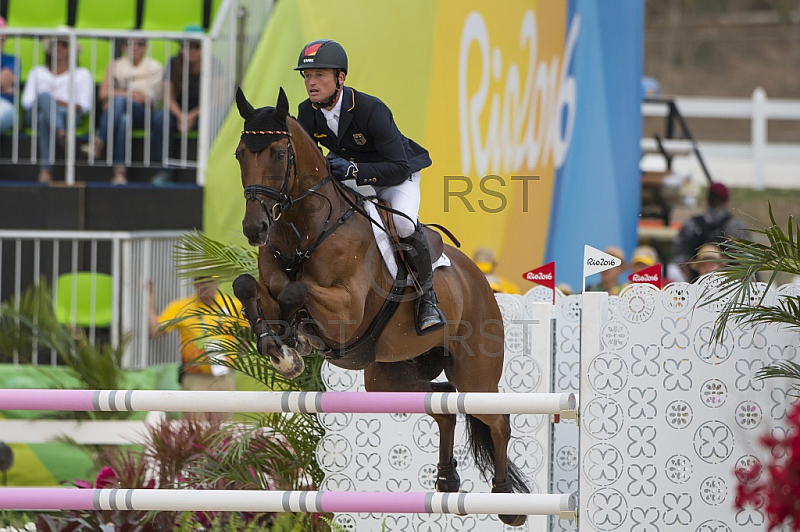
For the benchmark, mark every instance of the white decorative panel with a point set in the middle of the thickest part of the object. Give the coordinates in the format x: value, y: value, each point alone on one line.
x: 667, y: 415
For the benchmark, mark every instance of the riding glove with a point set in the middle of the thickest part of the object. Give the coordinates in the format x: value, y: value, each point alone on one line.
x: 342, y: 169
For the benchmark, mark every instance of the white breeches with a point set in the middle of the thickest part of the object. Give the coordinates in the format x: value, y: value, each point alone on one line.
x: 405, y: 198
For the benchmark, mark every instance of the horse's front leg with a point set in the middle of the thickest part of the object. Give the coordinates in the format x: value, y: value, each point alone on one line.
x: 261, y: 312
x: 336, y: 311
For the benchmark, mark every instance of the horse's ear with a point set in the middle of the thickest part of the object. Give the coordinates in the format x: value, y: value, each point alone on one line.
x: 282, y: 107
x: 245, y: 109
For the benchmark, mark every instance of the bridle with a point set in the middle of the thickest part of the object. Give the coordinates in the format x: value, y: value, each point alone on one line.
x: 284, y: 202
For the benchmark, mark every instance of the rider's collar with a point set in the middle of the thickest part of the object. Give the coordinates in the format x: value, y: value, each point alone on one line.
x: 336, y: 101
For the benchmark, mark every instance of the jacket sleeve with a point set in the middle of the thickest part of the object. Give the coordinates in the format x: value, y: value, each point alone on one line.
x: 29, y: 92
x: 393, y: 170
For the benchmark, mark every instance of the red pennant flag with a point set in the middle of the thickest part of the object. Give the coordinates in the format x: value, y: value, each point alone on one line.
x: 543, y: 275
x: 650, y: 275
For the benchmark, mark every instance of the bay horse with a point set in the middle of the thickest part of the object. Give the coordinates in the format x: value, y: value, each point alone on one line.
x: 321, y: 285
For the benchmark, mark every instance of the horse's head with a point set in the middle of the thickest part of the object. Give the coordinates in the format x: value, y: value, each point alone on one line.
x: 266, y: 159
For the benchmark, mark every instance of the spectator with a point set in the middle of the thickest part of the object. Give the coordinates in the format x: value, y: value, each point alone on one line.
x: 643, y: 257
x: 183, y: 88
x: 48, y: 89
x: 710, y: 258
x: 484, y: 258
x: 609, y: 279
x: 9, y: 66
x: 194, y: 342
x: 715, y: 225
x: 140, y: 77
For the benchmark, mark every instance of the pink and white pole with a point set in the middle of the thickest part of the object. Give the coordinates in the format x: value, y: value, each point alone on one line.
x: 564, y: 506
x: 563, y: 404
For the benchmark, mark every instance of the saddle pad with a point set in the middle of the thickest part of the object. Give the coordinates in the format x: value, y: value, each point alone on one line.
x: 385, y: 246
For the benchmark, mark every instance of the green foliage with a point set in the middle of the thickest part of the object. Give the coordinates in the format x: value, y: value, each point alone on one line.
x: 29, y: 323
x: 744, y: 261
x: 235, y: 347
x: 199, y: 255
x: 18, y: 520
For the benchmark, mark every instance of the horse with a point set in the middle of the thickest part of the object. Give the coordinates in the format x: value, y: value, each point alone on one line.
x: 321, y: 285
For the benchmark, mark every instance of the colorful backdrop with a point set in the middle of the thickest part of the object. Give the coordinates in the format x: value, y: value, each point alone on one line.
x: 530, y: 113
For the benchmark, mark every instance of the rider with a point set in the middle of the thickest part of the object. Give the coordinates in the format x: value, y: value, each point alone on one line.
x: 366, y: 145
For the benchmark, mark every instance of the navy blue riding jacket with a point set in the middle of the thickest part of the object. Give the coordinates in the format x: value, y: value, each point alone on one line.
x: 367, y: 136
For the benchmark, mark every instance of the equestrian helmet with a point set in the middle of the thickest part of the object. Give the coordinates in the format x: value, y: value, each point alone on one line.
x: 322, y: 54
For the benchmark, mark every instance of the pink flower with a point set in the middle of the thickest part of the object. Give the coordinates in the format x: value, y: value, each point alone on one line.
x: 106, y: 478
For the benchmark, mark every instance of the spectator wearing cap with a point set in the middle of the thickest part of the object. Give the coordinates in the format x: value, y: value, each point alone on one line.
x: 484, y: 258
x: 609, y: 279
x: 9, y: 66
x: 709, y: 258
x: 715, y: 225
x: 643, y: 257
x: 48, y: 88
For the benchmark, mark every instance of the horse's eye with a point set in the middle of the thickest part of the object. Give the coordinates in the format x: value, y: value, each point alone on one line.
x: 281, y: 155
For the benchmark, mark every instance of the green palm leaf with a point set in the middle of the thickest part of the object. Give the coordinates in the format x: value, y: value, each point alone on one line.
x: 744, y: 261
x: 199, y: 255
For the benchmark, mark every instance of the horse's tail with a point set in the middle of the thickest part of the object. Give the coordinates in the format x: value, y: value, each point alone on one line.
x: 480, y: 443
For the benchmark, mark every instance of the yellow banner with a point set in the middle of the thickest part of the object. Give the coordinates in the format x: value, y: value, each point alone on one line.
x: 475, y: 84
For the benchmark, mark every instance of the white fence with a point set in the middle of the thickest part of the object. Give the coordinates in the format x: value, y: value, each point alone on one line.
x: 130, y: 258
x: 757, y: 164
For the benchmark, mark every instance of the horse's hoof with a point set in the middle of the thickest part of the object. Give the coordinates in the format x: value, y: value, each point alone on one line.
x: 289, y: 363
x: 244, y: 287
x: 303, y: 346
x: 513, y: 520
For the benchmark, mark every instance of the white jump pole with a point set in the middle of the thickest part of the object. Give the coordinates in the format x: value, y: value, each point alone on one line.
x: 562, y: 505
x: 563, y: 404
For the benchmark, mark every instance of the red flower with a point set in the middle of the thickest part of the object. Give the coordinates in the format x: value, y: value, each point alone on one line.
x: 779, y: 492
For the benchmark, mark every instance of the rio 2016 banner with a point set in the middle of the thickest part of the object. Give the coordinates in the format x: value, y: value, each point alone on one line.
x: 530, y: 113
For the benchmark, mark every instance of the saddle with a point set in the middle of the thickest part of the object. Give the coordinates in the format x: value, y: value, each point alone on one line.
x: 361, y: 353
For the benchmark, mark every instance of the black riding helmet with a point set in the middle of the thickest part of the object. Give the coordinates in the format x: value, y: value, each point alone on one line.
x: 322, y: 53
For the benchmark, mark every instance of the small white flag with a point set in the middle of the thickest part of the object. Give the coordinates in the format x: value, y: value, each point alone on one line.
x: 595, y: 261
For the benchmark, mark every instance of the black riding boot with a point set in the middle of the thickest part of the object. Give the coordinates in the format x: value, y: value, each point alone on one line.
x: 428, y: 316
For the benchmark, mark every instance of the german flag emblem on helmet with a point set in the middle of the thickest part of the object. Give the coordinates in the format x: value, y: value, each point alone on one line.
x: 311, y: 49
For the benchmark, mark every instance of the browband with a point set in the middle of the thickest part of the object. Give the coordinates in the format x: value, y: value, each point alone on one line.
x: 265, y: 133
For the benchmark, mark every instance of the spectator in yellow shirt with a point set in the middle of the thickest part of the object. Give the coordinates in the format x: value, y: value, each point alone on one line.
x: 194, y: 343
x: 484, y: 258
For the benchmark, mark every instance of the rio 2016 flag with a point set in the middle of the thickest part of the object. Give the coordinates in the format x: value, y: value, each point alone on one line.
x: 650, y: 275
x: 543, y: 275
x: 596, y: 261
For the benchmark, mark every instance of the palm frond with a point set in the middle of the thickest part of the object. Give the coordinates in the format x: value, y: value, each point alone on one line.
x: 277, y: 451
x: 234, y: 346
x: 743, y: 260
x: 199, y: 255
x: 786, y: 369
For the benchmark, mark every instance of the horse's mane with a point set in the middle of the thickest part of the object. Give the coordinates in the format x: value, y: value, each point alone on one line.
x: 300, y: 137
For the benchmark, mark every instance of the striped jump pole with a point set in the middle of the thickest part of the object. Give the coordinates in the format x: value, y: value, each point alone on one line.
x: 563, y: 404
x: 562, y: 505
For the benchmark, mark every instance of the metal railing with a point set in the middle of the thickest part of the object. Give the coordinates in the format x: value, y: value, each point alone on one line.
x: 226, y: 49
x: 132, y: 259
